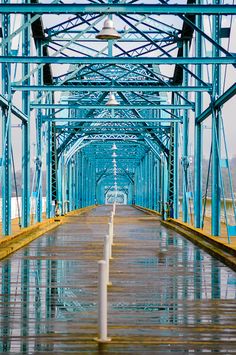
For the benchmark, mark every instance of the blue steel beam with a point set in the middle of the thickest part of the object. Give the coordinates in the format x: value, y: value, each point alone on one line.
x: 14, y: 110
x: 39, y: 144
x: 118, y: 60
x: 216, y: 192
x: 126, y: 87
x: 6, y: 132
x: 185, y: 165
x: 108, y: 119
x: 117, y: 108
x: 26, y: 131
x: 198, y: 136
x: 220, y: 101
x: 117, y: 9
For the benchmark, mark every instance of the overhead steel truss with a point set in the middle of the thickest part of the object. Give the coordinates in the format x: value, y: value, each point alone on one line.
x: 166, y: 76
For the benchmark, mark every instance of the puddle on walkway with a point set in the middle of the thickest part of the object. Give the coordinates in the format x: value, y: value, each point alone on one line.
x: 167, y: 295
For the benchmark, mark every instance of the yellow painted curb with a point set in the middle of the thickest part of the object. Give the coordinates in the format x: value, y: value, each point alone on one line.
x: 10, y: 244
x: 204, y: 241
x: 212, y: 245
x: 146, y: 209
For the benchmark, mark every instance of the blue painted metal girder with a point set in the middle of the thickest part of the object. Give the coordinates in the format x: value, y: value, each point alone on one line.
x: 14, y: 110
x: 118, y: 60
x: 6, y: 133
x: 39, y: 145
x: 119, y: 107
x: 216, y: 135
x: 198, y: 136
x: 26, y: 131
x: 151, y: 9
x: 146, y: 86
x: 114, y: 120
x: 185, y: 165
x: 226, y: 96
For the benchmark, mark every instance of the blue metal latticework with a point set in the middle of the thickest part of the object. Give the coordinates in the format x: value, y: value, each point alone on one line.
x: 112, y: 98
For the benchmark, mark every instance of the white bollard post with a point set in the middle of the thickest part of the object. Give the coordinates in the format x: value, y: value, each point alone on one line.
x: 111, y: 229
x: 110, y: 239
x: 102, y: 303
x: 107, y: 256
x: 112, y: 216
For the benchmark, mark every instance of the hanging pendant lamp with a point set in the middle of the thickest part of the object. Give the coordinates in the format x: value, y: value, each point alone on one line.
x: 112, y: 100
x: 108, y: 31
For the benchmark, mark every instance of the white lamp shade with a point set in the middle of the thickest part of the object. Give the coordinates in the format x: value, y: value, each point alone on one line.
x: 108, y: 31
x: 112, y: 100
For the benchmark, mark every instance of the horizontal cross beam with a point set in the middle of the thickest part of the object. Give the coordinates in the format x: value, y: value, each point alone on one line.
x: 119, y: 60
x: 110, y: 120
x: 107, y: 107
x: 145, y: 86
x: 117, y: 128
x: 151, y: 9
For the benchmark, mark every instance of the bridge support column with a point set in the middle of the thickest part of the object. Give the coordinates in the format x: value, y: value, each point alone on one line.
x: 185, y: 152
x: 198, y: 134
x: 38, y: 158
x: 6, y: 131
x: 216, y: 132
x: 164, y: 187
x: 26, y: 130
x: 49, y: 171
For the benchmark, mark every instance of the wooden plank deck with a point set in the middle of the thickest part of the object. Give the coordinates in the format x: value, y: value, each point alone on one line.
x: 166, y: 295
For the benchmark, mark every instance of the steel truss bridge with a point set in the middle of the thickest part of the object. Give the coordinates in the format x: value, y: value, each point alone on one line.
x: 169, y: 72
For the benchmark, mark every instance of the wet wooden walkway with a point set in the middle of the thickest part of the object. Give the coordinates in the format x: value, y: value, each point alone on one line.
x: 166, y: 295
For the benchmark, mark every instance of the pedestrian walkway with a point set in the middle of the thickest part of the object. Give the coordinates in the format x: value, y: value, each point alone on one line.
x: 166, y: 294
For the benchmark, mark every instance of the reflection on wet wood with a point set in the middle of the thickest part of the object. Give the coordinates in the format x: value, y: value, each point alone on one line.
x: 166, y: 294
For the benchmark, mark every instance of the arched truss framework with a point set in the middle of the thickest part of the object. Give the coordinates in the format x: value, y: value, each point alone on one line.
x: 168, y: 72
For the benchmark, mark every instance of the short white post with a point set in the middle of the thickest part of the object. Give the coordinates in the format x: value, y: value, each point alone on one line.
x: 110, y: 239
x: 111, y: 228
x: 107, y: 256
x: 112, y: 216
x: 102, y: 302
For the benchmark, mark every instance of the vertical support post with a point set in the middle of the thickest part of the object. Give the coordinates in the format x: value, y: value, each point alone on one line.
x: 63, y: 184
x: 198, y: 134
x: 49, y: 171
x: 143, y: 181
x: 185, y: 158
x: 151, y: 180
x: 102, y: 303
x: 38, y: 162
x: 69, y: 186
x: 6, y: 130
x: 76, y: 181
x: 26, y: 130
x: 80, y: 179
x: 59, y: 183
x: 146, y: 180
x: 164, y: 186
x: 54, y: 163
x: 155, y: 184
x: 73, y: 183
x: 175, y: 205
x: 216, y: 131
